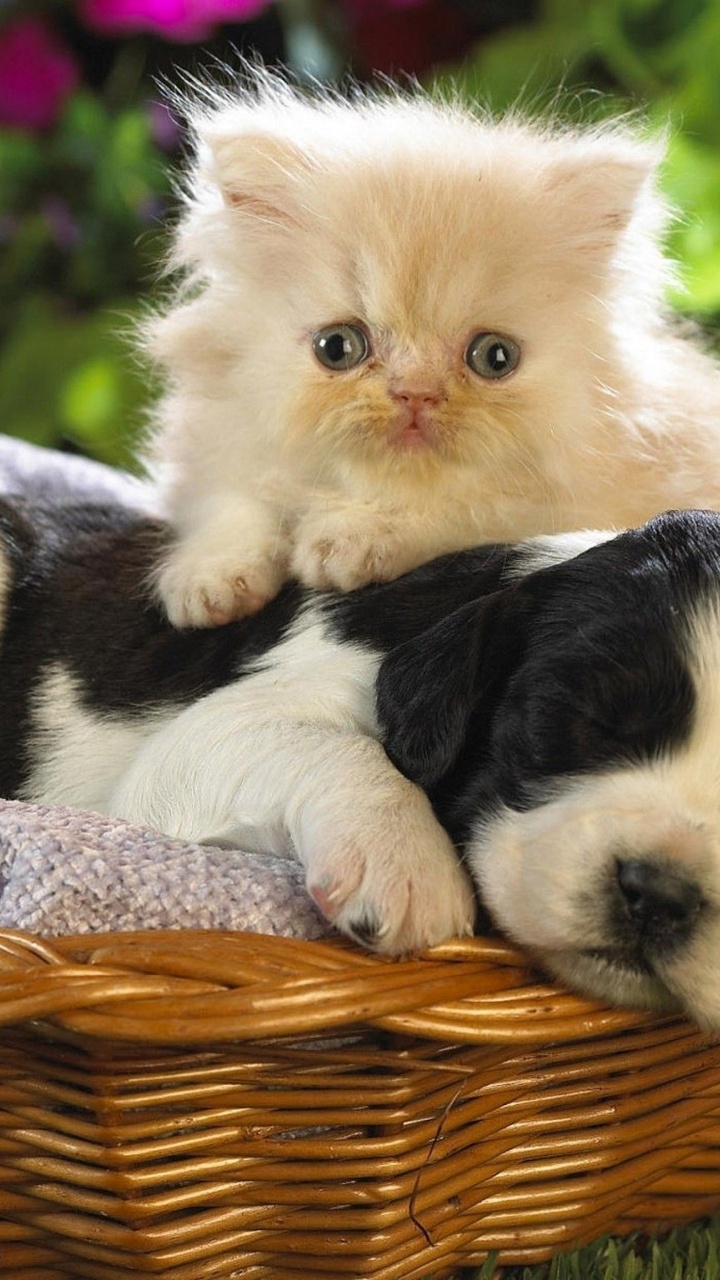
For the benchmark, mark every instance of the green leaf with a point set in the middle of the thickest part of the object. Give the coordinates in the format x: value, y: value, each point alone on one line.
x: 71, y: 377
x: 91, y: 399
x: 692, y: 180
x: 21, y: 161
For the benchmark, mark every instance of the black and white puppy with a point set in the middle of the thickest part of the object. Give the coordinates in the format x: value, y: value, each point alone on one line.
x: 561, y: 711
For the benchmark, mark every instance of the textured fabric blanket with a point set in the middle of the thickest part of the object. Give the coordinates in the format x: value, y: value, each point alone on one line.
x: 68, y: 871
x: 59, y: 477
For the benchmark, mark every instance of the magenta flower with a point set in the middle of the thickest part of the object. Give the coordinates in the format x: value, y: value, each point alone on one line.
x: 174, y: 19
x: 37, y: 72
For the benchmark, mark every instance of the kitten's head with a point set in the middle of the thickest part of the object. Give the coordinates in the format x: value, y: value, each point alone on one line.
x: 400, y: 284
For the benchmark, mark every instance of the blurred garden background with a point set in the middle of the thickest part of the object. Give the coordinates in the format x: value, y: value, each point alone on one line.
x: 87, y: 149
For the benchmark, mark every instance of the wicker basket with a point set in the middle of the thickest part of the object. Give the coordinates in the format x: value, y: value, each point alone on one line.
x: 199, y: 1105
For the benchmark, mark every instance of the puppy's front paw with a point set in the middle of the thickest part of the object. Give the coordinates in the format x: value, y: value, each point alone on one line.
x: 347, y: 549
x: 397, y: 886
x: 207, y: 591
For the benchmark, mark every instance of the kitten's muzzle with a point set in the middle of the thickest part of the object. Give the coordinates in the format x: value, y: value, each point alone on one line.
x: 415, y: 423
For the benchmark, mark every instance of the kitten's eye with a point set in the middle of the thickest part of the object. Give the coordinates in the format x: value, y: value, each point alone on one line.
x: 341, y: 346
x: 492, y: 356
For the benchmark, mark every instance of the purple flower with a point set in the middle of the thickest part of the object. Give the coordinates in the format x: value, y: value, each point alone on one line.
x: 174, y: 19
x: 37, y: 72
x: 60, y: 222
x: 165, y: 128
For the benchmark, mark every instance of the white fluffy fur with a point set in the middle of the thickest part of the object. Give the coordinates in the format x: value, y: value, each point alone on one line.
x: 426, y: 224
x: 78, y: 755
x: 283, y: 760
x: 546, y: 550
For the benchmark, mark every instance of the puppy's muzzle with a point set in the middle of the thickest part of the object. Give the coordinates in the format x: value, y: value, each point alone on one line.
x: 655, y: 908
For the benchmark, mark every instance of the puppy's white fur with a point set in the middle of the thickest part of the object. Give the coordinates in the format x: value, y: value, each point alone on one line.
x: 425, y: 224
x: 283, y: 760
x: 79, y: 755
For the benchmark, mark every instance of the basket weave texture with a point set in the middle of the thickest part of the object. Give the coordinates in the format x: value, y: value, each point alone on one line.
x: 198, y: 1105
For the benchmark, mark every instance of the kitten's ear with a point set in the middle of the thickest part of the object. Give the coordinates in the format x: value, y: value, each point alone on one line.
x: 259, y: 174
x: 602, y: 183
x: 429, y: 688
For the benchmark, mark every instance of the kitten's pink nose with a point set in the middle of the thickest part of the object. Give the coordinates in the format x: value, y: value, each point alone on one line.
x: 417, y: 395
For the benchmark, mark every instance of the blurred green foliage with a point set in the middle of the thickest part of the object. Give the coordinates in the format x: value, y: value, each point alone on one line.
x: 81, y: 215
x: 83, y: 205
x: 598, y: 57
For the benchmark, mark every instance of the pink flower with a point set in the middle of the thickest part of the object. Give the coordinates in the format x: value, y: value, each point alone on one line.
x: 174, y: 19
x: 37, y: 72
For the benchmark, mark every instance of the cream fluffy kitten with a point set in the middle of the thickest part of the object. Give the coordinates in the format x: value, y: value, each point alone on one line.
x: 404, y: 328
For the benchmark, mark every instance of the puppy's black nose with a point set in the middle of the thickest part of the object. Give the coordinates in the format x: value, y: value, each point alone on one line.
x: 661, y: 902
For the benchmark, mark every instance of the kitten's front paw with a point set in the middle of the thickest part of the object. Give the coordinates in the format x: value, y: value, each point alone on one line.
x: 396, y: 886
x: 208, y: 592
x: 344, y: 550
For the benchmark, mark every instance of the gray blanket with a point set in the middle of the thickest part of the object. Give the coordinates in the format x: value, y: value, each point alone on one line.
x: 60, y: 477
x: 68, y: 871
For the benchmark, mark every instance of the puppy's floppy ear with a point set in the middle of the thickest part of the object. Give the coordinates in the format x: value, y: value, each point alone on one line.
x: 428, y: 688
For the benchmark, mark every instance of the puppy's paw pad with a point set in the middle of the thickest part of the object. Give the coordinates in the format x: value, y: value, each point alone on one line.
x: 391, y: 905
x: 330, y: 890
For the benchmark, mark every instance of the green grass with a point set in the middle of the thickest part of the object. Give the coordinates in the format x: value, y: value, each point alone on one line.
x: 689, y: 1253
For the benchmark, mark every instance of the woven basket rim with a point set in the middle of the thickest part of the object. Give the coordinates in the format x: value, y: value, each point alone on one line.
x: 204, y: 987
